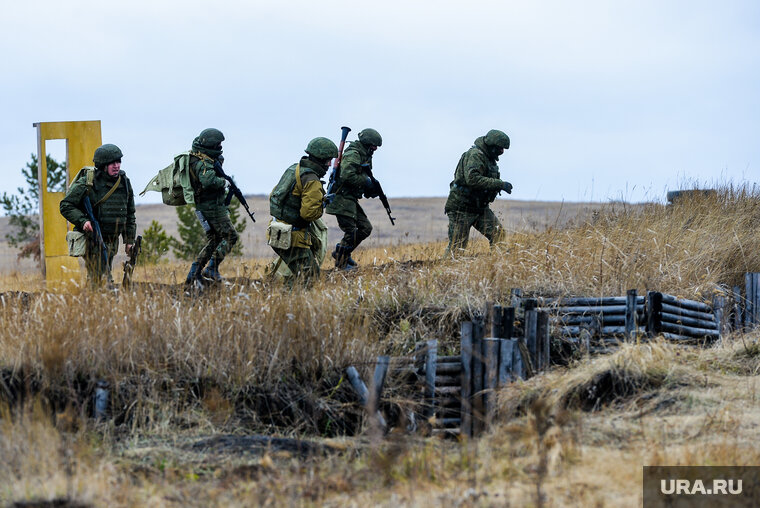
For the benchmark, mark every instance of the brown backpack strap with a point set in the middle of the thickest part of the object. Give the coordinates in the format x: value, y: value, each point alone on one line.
x: 108, y: 194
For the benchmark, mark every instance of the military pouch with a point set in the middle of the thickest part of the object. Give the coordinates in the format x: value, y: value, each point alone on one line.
x: 77, y: 243
x: 279, y: 234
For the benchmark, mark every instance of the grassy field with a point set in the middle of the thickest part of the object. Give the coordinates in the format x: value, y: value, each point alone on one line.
x: 194, y: 380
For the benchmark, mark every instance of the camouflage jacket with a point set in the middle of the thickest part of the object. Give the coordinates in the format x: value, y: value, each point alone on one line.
x: 115, y: 215
x: 477, y: 181
x: 352, y: 180
x: 210, y: 188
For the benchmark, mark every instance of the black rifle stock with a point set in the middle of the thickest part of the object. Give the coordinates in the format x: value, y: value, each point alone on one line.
x: 335, y: 174
x: 129, y: 264
x: 96, y: 229
x: 234, y: 190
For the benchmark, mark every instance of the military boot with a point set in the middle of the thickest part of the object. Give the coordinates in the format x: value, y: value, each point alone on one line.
x: 211, y: 272
x: 342, y: 257
x: 194, y: 276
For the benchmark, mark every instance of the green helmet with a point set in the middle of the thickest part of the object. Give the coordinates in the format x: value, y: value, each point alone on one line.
x: 106, y: 154
x: 370, y: 137
x: 322, y: 148
x: 210, y: 138
x: 497, y: 138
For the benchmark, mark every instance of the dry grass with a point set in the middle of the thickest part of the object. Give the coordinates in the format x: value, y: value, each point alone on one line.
x: 254, y: 357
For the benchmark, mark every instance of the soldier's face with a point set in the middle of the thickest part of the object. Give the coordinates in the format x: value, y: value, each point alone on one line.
x: 372, y: 148
x: 498, y: 150
x: 113, y: 168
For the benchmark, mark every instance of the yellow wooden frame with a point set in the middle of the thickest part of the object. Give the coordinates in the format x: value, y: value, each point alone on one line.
x: 82, y: 138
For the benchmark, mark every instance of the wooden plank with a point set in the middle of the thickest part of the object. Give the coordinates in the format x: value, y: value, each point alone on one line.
x: 630, y: 313
x: 477, y: 379
x: 378, y: 380
x: 506, y: 352
x: 491, y: 376
x: 508, y: 322
x: 518, y: 367
x: 448, y: 381
x: 575, y: 319
x: 361, y: 390
x: 586, y: 310
x: 466, y: 349
x: 531, y: 322
x: 449, y: 358
x: 719, y: 309
x: 430, y: 361
x: 654, y: 308
x: 588, y: 302
x: 542, y: 341
x: 447, y: 390
x: 497, y: 316
x: 448, y: 367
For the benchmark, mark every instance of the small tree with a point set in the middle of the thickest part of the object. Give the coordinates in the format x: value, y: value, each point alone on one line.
x: 192, y: 238
x: 155, y: 243
x: 23, y: 207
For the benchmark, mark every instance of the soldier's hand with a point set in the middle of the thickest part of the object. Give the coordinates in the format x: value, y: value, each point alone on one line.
x: 128, y: 248
x: 329, y: 198
x: 87, y: 227
x: 508, y: 187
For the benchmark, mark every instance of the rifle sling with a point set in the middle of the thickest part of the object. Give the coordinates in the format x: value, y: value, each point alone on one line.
x: 109, y: 193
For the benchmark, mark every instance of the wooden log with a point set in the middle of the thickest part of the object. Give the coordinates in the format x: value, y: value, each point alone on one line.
x: 687, y: 321
x: 506, y: 353
x: 688, y: 330
x: 447, y: 390
x: 751, y: 300
x: 518, y: 367
x: 430, y: 361
x: 448, y: 368
x: 497, y: 321
x: 508, y: 322
x: 531, y: 322
x: 515, y: 301
x: 478, y: 369
x: 681, y: 311
x: 452, y: 431
x: 586, y: 310
x: 686, y: 304
x: 589, y: 302
x: 448, y: 381
x: 361, y: 390
x: 542, y: 341
x: 378, y: 380
x: 654, y: 308
x: 449, y: 422
x: 737, y: 319
x: 574, y: 319
x: 449, y: 358
x: 466, y: 349
x: 631, y: 316
x: 491, y: 376
x: 575, y: 331
x: 719, y: 309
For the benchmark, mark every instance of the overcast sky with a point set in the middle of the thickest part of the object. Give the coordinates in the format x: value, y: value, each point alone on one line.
x: 601, y: 99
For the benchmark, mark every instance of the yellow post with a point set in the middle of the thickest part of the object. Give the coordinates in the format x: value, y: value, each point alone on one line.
x: 82, y: 138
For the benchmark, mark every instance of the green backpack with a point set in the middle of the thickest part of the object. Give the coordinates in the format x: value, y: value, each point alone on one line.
x: 173, y: 182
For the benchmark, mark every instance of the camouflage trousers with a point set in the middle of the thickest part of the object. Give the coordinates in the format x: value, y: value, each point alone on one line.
x: 302, y: 264
x: 93, y: 259
x: 221, y: 238
x: 355, y: 231
x: 460, y: 223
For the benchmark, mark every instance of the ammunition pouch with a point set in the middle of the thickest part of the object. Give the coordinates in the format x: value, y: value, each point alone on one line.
x: 77, y: 242
x: 279, y: 234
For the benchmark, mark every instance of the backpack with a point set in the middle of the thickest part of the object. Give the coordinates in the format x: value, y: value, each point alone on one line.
x: 173, y: 182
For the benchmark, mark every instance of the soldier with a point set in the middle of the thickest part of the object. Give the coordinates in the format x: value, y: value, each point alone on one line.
x: 210, y: 191
x: 113, y: 204
x: 352, y: 184
x: 295, y: 203
x: 476, y: 184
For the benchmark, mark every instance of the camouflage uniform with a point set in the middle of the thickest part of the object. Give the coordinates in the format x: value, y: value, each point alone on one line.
x: 210, y: 192
x: 115, y: 215
x: 476, y: 184
x: 297, y: 200
x: 352, y: 185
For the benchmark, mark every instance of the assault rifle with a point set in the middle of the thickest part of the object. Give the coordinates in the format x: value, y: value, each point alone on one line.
x: 379, y: 189
x: 234, y: 190
x: 129, y: 264
x: 335, y: 175
x: 98, y: 234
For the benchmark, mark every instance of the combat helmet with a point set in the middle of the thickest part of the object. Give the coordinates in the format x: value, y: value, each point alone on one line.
x: 106, y: 154
x: 497, y: 138
x: 370, y: 137
x: 322, y: 148
x: 210, y: 138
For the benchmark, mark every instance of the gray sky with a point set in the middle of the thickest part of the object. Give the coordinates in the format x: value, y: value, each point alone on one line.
x: 602, y: 99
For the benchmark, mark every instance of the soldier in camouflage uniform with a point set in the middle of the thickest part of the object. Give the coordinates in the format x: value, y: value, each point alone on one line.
x: 297, y: 200
x: 113, y: 204
x: 476, y: 184
x: 354, y: 183
x: 210, y: 191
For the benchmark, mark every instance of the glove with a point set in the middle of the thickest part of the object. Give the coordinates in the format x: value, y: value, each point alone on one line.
x: 372, y: 190
x: 508, y: 187
x: 329, y: 198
